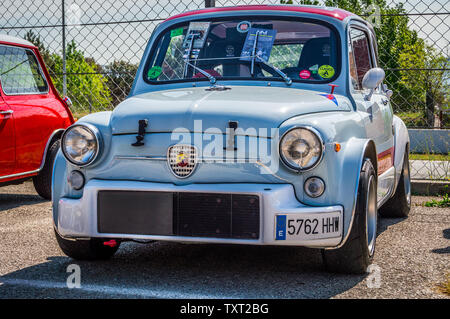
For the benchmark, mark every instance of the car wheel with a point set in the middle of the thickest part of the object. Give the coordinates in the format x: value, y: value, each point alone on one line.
x: 43, y: 181
x: 87, y: 249
x: 357, y: 253
x: 400, y: 204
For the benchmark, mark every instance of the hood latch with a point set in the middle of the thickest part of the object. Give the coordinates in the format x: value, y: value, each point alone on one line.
x: 232, y: 126
x: 141, y: 133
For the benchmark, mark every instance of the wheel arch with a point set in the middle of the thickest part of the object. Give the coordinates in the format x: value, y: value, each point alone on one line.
x: 356, y: 153
x: 402, y: 144
x: 370, y: 152
x: 56, y: 135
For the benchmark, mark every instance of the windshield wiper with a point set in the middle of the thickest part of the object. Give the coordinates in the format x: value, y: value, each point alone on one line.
x: 287, y: 79
x: 211, y: 78
x: 255, y: 43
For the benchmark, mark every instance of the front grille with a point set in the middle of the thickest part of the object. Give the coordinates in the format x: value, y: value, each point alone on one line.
x: 183, y: 214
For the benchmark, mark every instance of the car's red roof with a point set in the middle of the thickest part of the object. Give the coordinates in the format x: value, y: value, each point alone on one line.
x: 330, y: 12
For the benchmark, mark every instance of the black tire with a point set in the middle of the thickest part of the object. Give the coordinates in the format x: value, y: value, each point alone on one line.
x: 399, y: 205
x: 88, y: 249
x: 357, y: 254
x: 43, y: 181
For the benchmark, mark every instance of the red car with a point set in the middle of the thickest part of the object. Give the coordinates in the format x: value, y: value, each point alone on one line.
x: 32, y: 116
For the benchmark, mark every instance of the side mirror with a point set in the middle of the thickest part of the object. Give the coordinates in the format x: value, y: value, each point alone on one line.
x: 388, y: 92
x: 372, y: 80
x: 68, y: 101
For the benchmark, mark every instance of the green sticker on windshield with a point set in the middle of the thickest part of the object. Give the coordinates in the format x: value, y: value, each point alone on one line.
x: 326, y: 71
x: 154, y: 72
x: 176, y: 32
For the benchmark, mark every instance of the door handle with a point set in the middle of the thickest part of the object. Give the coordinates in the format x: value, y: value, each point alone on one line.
x: 7, y: 112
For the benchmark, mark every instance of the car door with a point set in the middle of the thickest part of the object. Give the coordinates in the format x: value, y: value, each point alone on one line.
x: 26, y: 92
x: 386, y: 170
x: 373, y: 109
x: 7, y: 141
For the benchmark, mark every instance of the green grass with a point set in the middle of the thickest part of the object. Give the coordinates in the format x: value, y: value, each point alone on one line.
x: 429, y: 157
x: 444, y: 202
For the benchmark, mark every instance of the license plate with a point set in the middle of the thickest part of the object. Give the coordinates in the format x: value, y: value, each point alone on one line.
x: 308, y: 226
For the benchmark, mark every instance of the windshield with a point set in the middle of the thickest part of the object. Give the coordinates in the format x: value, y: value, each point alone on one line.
x: 245, y: 49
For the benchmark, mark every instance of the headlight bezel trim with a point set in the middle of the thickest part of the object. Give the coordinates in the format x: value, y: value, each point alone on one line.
x: 322, y: 147
x: 98, y: 139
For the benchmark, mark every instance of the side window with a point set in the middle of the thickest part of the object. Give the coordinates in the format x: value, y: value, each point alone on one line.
x: 360, y: 54
x: 20, y: 72
x: 351, y: 61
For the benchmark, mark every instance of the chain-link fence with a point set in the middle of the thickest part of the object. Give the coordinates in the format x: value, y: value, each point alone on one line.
x: 92, y: 49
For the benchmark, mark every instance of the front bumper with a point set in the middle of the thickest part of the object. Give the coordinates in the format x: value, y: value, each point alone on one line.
x: 78, y: 218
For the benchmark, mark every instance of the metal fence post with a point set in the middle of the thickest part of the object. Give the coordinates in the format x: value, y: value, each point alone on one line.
x: 210, y: 3
x: 64, y: 49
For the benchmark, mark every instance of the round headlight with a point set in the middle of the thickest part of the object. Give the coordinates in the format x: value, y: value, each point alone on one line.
x: 314, y: 187
x: 301, y: 148
x: 80, y: 144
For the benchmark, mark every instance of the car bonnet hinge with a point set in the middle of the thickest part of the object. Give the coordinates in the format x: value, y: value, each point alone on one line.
x: 141, y: 133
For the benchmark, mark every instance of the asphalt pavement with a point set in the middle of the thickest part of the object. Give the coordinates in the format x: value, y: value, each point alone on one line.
x: 412, y: 258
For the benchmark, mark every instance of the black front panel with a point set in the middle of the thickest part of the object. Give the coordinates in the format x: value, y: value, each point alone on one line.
x: 182, y: 214
x: 245, y: 221
x: 140, y: 213
x: 204, y: 215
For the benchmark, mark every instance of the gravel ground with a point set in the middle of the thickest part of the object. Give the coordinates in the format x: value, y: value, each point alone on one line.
x: 413, y: 256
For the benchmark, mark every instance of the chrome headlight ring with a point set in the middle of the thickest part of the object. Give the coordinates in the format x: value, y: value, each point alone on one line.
x: 320, y: 146
x: 96, y: 140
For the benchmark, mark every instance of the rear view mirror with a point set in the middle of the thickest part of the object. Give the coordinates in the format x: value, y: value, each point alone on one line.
x: 372, y: 80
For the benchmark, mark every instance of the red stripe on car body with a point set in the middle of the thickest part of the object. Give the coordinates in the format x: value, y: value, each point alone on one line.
x: 334, y: 13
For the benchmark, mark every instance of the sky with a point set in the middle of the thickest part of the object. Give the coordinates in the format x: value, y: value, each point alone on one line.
x: 126, y: 41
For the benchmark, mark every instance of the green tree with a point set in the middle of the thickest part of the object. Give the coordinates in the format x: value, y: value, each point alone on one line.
x: 36, y: 40
x: 86, y: 85
x: 426, y: 80
x: 401, y: 51
x: 86, y: 88
x: 120, y: 76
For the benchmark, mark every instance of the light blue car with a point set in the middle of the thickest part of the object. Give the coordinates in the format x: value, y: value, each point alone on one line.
x: 256, y: 125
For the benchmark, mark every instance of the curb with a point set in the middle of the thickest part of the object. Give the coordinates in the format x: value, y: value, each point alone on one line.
x: 428, y: 187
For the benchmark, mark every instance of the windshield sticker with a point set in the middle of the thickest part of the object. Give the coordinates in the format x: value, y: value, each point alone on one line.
x: 229, y: 51
x: 264, y: 45
x: 326, y: 71
x: 176, y: 32
x: 196, y: 35
x: 305, y: 74
x: 194, y: 54
x: 314, y: 69
x: 154, y: 72
x: 244, y: 26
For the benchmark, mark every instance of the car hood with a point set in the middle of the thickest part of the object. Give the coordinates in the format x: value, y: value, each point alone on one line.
x: 251, y: 107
